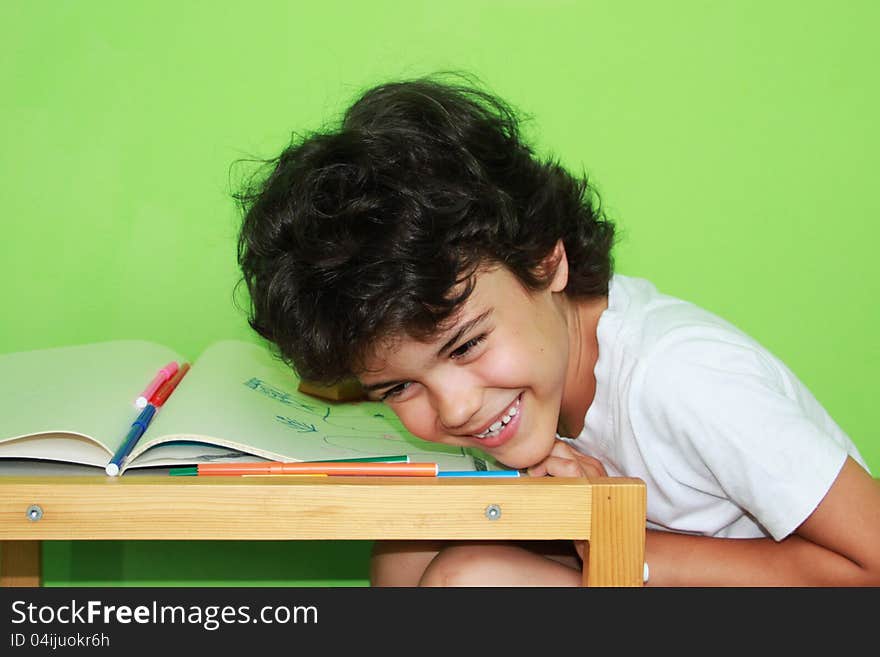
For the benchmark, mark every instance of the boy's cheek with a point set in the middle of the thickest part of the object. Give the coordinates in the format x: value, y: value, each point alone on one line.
x: 418, y: 423
x: 422, y: 427
x: 505, y: 367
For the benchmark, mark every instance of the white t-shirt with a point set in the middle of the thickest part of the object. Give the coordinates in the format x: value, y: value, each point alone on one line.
x: 729, y: 442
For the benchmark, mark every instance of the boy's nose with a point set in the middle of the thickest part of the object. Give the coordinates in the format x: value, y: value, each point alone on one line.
x: 456, y: 405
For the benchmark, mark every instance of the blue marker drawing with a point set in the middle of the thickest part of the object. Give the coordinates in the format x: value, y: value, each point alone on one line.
x: 302, y: 427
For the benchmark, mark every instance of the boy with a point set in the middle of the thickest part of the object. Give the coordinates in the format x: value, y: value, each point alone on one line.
x: 425, y: 250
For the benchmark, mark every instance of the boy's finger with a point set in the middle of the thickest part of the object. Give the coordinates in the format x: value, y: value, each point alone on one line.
x: 563, y: 450
x: 591, y: 465
x: 539, y: 470
x: 563, y: 467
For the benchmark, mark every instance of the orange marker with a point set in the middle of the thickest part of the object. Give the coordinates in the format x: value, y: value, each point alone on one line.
x: 161, y: 395
x: 319, y: 467
x: 288, y: 476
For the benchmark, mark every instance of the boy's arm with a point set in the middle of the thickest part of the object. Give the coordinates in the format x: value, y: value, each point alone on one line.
x: 837, y: 545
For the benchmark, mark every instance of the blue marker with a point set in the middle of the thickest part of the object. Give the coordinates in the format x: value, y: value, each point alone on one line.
x: 479, y: 473
x: 137, y: 430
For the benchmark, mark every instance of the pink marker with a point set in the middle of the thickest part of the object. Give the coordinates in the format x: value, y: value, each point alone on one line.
x: 164, y: 374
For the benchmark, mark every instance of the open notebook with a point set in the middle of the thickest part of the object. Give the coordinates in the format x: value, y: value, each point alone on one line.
x: 237, y: 402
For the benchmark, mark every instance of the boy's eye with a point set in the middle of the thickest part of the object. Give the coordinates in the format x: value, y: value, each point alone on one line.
x: 467, y: 346
x: 396, y: 391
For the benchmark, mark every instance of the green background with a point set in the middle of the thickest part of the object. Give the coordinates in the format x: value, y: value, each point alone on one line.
x: 735, y: 143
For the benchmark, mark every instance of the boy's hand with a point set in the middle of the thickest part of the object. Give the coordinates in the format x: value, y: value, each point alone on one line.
x: 566, y: 461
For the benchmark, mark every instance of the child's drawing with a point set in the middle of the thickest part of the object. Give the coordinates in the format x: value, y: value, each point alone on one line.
x: 298, y: 425
x: 305, y: 414
x: 366, y: 428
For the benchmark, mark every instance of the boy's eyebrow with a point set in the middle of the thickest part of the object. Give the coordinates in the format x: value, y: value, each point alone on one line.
x: 462, y: 330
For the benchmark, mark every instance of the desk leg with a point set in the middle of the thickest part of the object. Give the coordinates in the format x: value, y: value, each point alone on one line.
x: 20, y: 563
x: 615, y: 555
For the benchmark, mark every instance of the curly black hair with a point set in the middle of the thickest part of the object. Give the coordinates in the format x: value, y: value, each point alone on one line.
x: 375, y: 229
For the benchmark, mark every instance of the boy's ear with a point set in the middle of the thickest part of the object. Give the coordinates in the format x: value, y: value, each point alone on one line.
x: 557, y: 262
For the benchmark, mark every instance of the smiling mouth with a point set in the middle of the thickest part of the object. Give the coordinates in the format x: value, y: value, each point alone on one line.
x: 498, y: 425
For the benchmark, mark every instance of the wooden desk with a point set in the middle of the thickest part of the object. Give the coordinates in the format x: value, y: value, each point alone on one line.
x: 609, y: 513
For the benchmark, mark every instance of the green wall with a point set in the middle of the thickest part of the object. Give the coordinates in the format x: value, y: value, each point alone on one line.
x: 735, y: 143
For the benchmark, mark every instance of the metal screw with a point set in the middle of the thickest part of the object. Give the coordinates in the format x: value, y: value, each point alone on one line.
x: 493, y: 512
x: 34, y: 512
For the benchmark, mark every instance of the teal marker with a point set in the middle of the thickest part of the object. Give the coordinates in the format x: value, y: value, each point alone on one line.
x: 479, y: 473
x: 403, y: 458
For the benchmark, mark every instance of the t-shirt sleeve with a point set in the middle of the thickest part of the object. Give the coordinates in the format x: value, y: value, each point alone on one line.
x: 730, y: 423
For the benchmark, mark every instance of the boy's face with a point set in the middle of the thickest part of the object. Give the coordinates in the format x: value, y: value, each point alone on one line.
x: 493, y: 379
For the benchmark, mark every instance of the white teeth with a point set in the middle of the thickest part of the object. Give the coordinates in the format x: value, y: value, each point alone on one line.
x: 494, y: 428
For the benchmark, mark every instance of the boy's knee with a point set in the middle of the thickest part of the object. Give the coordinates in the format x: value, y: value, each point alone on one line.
x: 401, y: 563
x: 459, y: 565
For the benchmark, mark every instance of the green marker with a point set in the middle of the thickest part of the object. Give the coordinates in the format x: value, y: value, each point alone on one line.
x: 184, y: 472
